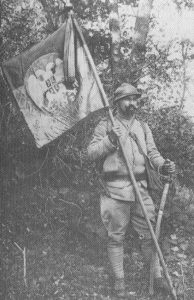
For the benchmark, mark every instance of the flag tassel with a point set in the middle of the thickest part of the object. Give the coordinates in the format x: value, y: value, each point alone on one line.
x: 69, y: 52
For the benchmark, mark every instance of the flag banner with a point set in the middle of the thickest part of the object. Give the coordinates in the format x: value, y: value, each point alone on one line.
x: 52, y: 102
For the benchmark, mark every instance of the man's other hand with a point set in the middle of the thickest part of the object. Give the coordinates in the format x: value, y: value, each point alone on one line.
x: 168, y: 167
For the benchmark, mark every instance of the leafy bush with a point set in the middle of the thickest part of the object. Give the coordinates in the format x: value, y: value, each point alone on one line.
x: 173, y: 132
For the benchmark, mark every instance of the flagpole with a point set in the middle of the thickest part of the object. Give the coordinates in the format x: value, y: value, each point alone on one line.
x: 106, y: 103
x: 157, y: 233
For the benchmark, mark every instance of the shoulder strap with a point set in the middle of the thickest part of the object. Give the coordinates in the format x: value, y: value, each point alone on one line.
x: 144, y: 128
x: 127, y: 128
x: 134, y: 137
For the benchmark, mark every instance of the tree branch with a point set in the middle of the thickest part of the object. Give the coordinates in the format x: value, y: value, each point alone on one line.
x: 184, y: 49
x: 141, y: 29
x: 115, y: 38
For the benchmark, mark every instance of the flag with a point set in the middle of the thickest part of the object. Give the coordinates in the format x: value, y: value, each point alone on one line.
x: 53, y: 84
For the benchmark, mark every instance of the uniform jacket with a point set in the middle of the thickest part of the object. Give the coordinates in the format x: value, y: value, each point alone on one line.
x: 118, y: 183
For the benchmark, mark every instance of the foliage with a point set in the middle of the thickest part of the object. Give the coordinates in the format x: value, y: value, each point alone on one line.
x: 22, y: 25
x: 173, y: 132
x: 66, y: 261
x: 164, y: 79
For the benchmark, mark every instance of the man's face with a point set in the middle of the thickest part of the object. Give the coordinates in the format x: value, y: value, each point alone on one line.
x: 128, y: 105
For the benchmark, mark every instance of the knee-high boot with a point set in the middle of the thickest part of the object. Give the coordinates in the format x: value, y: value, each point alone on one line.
x: 115, y: 254
x: 147, y: 250
x: 160, y: 284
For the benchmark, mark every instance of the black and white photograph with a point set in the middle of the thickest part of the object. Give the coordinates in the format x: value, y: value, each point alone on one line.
x: 96, y: 149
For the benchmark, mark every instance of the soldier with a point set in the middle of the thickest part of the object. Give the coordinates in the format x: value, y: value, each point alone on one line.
x: 119, y: 204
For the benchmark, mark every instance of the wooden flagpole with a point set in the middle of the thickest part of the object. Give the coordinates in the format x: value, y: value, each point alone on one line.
x: 157, y: 233
x: 126, y: 158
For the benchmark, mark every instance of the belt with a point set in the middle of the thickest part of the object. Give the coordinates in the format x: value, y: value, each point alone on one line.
x: 111, y: 177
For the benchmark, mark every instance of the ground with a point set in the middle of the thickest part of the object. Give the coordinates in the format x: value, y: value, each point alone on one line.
x: 66, y: 253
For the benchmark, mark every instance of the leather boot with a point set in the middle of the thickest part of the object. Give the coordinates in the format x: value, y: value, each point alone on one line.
x: 119, y: 288
x: 161, y: 285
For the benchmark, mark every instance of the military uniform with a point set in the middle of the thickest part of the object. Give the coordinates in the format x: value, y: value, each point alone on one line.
x: 119, y: 205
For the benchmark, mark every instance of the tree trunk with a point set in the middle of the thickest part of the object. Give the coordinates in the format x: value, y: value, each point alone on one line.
x: 115, y: 40
x: 184, y: 51
x: 137, y: 57
x: 0, y: 11
x: 1, y: 38
x: 51, y: 25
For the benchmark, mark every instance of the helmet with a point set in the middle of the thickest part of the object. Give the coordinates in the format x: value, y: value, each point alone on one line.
x: 124, y: 90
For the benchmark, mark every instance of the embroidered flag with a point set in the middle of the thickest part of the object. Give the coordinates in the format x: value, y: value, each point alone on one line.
x: 52, y: 102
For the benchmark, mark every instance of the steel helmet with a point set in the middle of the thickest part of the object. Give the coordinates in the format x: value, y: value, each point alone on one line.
x: 124, y: 90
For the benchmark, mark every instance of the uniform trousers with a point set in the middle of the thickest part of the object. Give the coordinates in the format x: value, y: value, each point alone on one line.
x: 116, y: 215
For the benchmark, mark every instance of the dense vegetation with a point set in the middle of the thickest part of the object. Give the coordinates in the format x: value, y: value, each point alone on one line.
x: 24, y: 23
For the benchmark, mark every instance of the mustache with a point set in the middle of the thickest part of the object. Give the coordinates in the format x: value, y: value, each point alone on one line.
x: 131, y: 108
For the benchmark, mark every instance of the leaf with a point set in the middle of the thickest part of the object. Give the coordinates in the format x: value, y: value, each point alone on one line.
x: 173, y: 237
x: 181, y: 255
x: 184, y: 246
x: 175, y: 249
x: 175, y: 273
